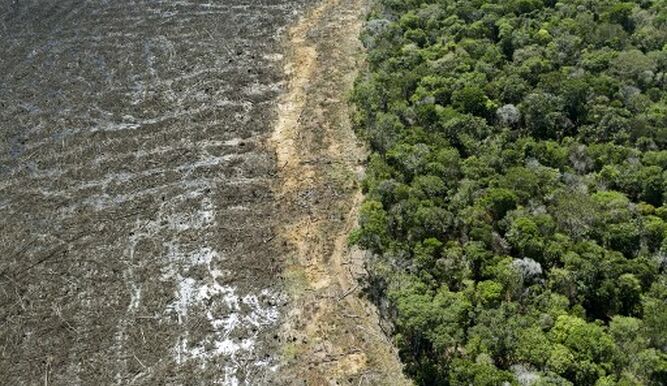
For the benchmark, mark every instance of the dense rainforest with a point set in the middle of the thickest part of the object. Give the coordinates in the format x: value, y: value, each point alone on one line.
x: 516, y: 188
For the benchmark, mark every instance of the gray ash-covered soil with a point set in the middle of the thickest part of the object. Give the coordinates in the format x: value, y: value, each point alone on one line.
x: 137, y: 206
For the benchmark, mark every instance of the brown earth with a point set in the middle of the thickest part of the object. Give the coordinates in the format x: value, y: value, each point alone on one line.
x: 331, y: 335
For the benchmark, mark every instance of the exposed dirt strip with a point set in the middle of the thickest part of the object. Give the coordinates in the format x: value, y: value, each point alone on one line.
x: 330, y: 334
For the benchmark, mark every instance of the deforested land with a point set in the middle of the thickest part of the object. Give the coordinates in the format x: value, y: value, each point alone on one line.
x: 178, y: 181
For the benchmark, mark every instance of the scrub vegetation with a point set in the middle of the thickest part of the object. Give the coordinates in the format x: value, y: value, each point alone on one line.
x: 515, y: 193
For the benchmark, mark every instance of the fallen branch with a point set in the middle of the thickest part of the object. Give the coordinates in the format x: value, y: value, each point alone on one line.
x: 344, y: 295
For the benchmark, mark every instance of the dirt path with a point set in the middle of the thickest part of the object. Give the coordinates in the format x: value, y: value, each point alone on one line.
x: 330, y: 335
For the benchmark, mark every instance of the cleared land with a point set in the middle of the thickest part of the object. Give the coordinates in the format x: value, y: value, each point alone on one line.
x: 136, y: 194
x: 177, y: 181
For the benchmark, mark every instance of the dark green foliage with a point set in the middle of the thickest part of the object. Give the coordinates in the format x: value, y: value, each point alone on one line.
x: 516, y: 189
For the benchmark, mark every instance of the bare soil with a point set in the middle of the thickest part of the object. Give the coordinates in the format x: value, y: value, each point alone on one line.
x: 331, y: 335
